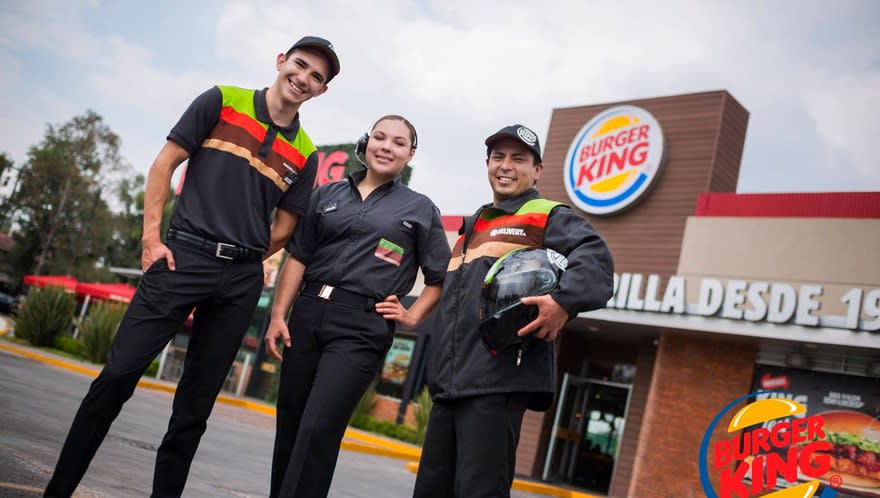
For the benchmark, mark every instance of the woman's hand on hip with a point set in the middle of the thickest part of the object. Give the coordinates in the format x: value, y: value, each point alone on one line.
x: 392, y: 309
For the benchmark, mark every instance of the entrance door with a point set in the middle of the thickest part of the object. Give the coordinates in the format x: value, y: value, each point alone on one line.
x: 587, y: 431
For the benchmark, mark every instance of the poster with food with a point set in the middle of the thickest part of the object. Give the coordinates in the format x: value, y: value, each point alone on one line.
x: 397, y: 360
x: 849, y: 409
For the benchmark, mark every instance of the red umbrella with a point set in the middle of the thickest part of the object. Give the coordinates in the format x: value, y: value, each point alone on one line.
x: 65, y: 281
x: 111, y: 292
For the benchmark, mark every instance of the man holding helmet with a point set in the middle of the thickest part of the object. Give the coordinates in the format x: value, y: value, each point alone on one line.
x: 521, y: 268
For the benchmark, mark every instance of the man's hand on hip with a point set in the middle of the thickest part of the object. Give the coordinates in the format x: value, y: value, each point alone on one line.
x: 154, y: 251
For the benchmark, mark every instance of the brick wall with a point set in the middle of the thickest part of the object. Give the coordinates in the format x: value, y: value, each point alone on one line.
x: 386, y: 409
x: 694, y: 378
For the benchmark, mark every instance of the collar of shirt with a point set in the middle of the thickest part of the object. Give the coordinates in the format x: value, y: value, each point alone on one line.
x: 355, y: 177
x: 261, y: 108
x: 514, y: 203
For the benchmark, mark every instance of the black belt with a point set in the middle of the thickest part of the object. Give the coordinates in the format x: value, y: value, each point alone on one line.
x: 220, y: 250
x: 339, y: 295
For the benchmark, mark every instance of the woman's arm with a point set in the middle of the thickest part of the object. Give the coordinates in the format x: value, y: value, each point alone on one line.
x: 288, y: 285
x: 392, y: 309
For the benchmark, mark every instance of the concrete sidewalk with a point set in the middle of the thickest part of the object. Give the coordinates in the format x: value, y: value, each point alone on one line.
x: 354, y: 439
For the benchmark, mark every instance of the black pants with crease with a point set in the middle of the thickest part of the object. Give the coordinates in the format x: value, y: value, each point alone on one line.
x: 336, y: 351
x: 224, y: 294
x: 470, y: 447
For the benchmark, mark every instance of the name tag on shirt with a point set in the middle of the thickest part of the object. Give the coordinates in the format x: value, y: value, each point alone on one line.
x: 329, y: 207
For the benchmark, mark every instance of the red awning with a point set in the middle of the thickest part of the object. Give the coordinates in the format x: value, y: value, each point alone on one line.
x: 65, y: 281
x: 113, y: 292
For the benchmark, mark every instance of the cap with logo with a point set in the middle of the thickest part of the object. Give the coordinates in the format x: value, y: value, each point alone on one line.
x: 325, y: 47
x: 519, y: 133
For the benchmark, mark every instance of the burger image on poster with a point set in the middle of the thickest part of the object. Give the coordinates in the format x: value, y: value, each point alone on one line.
x: 855, y: 449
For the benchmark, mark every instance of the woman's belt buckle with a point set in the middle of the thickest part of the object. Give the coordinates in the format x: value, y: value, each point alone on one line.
x: 326, y: 291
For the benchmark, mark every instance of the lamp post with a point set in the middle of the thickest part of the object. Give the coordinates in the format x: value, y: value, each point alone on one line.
x: 7, y: 211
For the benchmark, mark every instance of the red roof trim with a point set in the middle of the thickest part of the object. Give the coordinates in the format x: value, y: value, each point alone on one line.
x: 794, y: 205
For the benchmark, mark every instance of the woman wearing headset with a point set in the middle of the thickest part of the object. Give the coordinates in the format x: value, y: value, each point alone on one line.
x: 356, y: 250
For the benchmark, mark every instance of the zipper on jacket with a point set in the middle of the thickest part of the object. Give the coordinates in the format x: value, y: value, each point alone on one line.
x: 469, y: 224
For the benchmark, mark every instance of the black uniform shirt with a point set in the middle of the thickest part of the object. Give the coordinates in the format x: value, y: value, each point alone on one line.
x: 373, y: 247
x: 225, y: 198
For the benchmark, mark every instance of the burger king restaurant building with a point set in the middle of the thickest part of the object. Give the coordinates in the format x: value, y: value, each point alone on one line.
x: 717, y: 295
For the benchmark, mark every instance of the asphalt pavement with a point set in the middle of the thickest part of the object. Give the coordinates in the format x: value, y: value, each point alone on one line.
x: 233, y: 460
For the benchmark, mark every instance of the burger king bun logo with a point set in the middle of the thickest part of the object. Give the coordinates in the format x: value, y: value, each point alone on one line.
x: 613, y: 160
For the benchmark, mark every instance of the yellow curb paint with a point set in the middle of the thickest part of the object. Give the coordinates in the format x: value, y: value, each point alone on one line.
x: 368, y: 438
x: 374, y: 450
x: 20, y: 487
x: 527, y: 486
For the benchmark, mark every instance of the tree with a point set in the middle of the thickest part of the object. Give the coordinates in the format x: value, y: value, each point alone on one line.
x: 125, y: 250
x: 65, y: 221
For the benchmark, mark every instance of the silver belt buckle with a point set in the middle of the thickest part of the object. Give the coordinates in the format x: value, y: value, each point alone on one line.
x: 220, y: 248
x: 326, y: 291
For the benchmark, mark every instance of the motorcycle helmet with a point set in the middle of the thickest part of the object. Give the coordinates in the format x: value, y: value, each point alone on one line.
x: 518, y: 274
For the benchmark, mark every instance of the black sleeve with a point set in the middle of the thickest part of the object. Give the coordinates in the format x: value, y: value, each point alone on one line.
x: 588, y: 282
x: 296, y: 199
x: 305, y: 236
x: 198, y: 120
x: 434, y: 250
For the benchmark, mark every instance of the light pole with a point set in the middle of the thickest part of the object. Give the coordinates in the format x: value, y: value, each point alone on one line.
x: 7, y: 210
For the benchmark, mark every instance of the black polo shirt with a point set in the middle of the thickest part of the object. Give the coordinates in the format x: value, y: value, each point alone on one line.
x: 372, y: 247
x: 227, y: 195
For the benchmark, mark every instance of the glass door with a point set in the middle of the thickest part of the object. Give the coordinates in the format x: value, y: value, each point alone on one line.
x: 587, y: 430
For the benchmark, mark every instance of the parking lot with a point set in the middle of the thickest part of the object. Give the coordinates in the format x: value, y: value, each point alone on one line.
x: 233, y: 459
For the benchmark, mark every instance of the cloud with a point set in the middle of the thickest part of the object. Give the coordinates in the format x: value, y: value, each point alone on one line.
x: 459, y: 70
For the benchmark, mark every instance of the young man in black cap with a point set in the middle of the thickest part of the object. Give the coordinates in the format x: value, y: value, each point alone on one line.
x: 248, y: 155
x: 480, y: 397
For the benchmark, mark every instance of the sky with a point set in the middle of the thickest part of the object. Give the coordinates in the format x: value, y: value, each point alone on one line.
x: 807, y: 71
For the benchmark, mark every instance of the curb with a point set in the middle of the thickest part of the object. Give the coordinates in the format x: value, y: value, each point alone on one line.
x: 353, y: 440
x: 528, y: 486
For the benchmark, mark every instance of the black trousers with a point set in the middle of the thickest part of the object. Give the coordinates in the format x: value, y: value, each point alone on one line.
x: 470, y: 447
x: 224, y: 294
x: 336, y: 352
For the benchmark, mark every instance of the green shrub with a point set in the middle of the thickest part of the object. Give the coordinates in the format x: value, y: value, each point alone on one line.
x: 421, y: 414
x: 366, y: 403
x: 98, y: 329
x: 44, y: 314
x: 271, y: 395
x: 69, y: 345
x: 152, y: 370
x: 384, y: 427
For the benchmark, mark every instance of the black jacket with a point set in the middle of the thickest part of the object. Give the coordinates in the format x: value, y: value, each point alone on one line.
x: 460, y: 365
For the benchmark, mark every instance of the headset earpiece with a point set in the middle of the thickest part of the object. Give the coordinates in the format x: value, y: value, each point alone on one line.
x: 361, y: 148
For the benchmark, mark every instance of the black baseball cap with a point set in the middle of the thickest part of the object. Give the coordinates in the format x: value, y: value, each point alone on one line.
x: 325, y: 47
x: 519, y: 133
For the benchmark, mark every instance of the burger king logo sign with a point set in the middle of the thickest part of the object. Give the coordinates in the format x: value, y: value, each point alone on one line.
x: 613, y: 160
